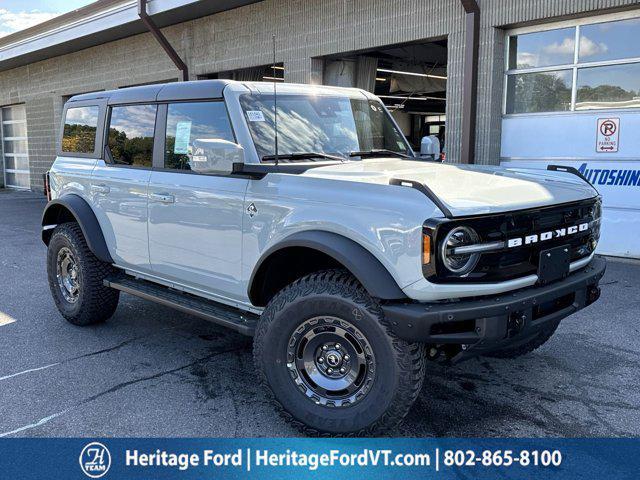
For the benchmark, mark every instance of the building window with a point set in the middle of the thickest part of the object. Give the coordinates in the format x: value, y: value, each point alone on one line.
x: 80, y: 125
x: 187, y: 122
x: 131, y: 135
x: 591, y: 64
x: 15, y: 152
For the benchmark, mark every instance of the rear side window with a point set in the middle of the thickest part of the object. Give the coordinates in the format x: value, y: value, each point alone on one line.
x: 80, y: 125
x: 187, y: 122
x: 131, y: 135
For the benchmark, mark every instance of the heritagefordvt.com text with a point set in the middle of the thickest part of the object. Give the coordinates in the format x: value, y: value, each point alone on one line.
x: 248, y: 458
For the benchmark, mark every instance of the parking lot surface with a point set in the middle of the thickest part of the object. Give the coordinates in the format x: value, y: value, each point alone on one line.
x: 150, y: 371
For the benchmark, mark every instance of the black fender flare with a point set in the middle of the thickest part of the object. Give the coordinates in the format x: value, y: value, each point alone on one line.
x: 83, y: 215
x: 362, y: 264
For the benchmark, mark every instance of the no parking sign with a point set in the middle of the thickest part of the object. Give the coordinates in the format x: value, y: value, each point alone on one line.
x: 608, y: 135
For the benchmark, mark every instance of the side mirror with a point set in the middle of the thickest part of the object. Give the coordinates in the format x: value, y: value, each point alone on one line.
x: 430, y: 148
x: 215, y: 156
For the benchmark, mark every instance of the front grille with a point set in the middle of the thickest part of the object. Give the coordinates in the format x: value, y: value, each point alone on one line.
x: 510, y: 263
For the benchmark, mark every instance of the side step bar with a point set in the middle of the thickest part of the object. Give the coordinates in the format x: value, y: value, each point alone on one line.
x: 238, y: 320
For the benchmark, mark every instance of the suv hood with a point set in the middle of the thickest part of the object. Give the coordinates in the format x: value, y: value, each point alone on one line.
x: 467, y: 189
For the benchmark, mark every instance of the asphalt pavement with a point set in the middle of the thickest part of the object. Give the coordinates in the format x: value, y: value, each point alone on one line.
x: 150, y: 371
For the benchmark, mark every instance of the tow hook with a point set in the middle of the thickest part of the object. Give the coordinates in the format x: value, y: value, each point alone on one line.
x: 593, y: 294
x: 444, y: 353
x: 516, y: 323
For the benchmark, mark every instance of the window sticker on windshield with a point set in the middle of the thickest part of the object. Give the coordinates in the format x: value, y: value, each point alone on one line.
x: 183, y: 133
x: 255, y: 116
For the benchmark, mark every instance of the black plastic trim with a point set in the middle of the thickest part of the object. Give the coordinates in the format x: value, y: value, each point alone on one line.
x: 435, y: 272
x: 414, y: 321
x: 421, y: 187
x: 86, y: 218
x: 360, y: 262
x: 572, y: 170
x: 256, y: 170
x: 210, y: 310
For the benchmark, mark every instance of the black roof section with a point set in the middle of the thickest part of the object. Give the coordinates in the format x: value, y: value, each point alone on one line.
x: 165, y: 92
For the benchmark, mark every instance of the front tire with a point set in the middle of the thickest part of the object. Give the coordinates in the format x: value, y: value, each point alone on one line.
x: 76, y: 278
x: 324, y: 351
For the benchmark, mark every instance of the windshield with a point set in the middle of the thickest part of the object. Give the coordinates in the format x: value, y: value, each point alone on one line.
x: 331, y: 125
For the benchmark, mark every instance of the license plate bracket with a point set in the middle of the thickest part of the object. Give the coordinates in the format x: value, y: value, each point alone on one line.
x: 554, y: 264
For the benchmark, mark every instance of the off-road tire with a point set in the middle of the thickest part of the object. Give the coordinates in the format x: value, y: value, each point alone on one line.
x: 95, y: 303
x: 536, y: 342
x: 399, y: 365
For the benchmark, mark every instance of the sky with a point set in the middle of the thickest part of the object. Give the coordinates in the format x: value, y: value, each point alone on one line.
x: 20, y: 14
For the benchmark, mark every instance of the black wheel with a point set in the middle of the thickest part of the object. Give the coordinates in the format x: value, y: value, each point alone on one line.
x: 327, y: 356
x: 75, y: 278
x: 536, y: 342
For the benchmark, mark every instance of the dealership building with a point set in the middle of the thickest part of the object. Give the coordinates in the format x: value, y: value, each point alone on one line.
x: 517, y: 83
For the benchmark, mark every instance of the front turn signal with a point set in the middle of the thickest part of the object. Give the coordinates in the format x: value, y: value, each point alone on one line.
x: 426, y: 249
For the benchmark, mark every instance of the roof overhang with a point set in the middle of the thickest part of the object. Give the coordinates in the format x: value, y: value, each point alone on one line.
x: 97, y: 23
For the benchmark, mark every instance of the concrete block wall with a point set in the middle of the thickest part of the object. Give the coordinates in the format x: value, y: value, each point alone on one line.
x: 306, y: 30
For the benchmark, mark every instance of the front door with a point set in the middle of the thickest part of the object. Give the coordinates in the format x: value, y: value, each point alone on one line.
x: 195, y: 221
x: 119, y: 185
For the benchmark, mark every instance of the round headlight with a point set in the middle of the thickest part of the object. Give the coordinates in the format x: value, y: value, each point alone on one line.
x: 459, y: 263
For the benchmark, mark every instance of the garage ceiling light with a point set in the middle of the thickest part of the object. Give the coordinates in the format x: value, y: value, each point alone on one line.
x: 412, y: 74
x: 399, y: 97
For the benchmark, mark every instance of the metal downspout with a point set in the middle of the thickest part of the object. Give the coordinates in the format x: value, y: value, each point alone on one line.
x: 164, y: 43
x: 470, y: 80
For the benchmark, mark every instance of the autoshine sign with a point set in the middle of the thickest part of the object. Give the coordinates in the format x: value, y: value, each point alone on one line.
x: 612, y: 165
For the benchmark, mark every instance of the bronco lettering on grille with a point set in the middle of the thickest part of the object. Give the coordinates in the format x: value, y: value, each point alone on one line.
x: 541, y: 237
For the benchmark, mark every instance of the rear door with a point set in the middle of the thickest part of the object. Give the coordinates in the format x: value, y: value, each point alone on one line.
x: 119, y: 183
x: 195, y: 221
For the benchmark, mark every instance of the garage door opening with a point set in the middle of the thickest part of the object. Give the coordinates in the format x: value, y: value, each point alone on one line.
x: 411, y: 80
x: 260, y: 73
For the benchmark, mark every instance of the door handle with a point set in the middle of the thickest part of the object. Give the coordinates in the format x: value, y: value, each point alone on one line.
x: 162, y: 197
x: 100, y: 189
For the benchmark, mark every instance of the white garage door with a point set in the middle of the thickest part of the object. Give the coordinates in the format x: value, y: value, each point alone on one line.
x: 14, y: 146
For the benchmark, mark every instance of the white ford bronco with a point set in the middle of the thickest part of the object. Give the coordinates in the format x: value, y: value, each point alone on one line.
x: 300, y: 215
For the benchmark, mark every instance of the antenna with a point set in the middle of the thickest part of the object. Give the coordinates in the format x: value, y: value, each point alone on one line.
x: 275, y: 100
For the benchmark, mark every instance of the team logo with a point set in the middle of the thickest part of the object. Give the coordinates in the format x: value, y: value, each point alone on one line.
x: 95, y: 460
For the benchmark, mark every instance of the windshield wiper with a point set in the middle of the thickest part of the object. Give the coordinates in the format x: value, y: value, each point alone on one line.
x: 379, y: 152
x: 302, y: 156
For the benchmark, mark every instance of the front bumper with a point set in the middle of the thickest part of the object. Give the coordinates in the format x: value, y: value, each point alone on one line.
x: 493, y: 323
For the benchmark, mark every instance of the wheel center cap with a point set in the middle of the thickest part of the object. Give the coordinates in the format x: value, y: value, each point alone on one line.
x: 333, y: 359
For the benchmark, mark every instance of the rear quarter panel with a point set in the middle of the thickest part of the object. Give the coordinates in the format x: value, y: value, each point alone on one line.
x: 71, y: 175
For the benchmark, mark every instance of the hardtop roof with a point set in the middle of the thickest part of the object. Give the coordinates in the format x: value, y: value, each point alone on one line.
x: 193, y: 90
x: 201, y: 90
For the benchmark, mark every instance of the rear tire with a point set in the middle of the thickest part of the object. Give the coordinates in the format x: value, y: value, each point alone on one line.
x: 76, y: 278
x: 515, y: 352
x: 375, y: 376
